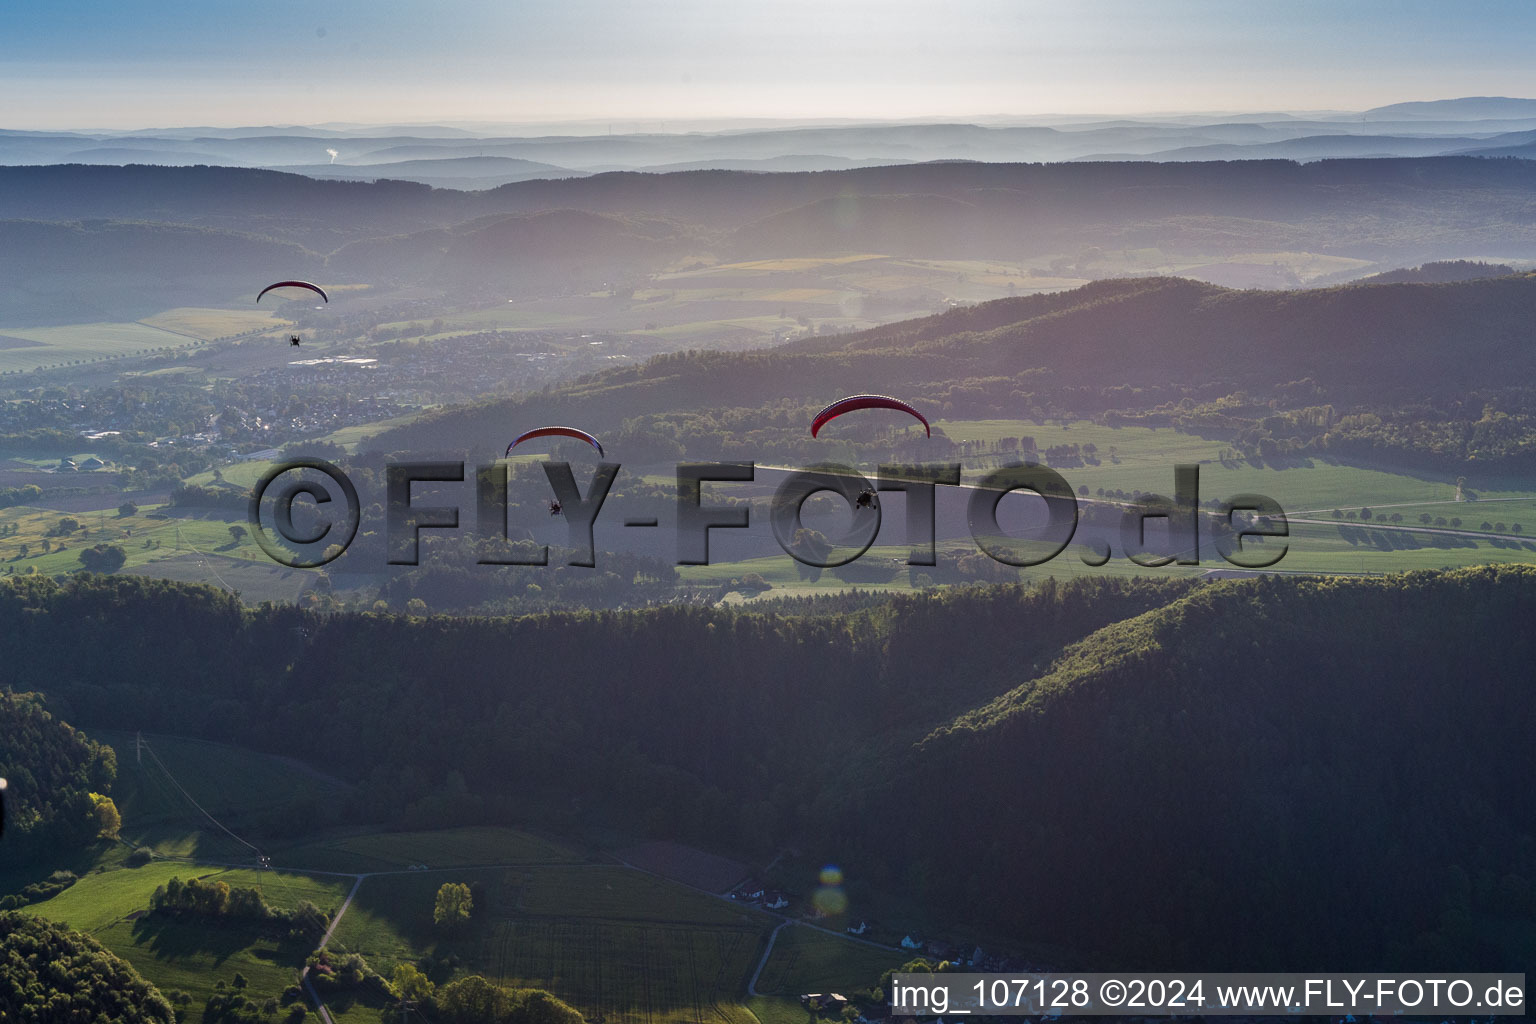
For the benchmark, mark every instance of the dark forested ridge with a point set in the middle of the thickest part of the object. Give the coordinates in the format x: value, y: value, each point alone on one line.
x: 1041, y: 194
x: 1139, y: 770
x: 51, y: 975
x: 1440, y: 272
x: 1355, y: 751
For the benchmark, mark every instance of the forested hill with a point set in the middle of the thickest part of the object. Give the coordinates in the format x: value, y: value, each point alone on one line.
x: 1461, y: 196
x: 1356, y: 751
x: 1346, y: 760
x: 1114, y: 344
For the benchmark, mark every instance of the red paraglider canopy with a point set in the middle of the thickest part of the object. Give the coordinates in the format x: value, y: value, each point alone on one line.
x: 580, y: 435
x: 854, y: 402
x: 295, y: 284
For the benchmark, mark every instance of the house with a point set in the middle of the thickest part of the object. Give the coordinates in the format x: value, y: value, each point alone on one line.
x: 93, y: 463
x: 860, y: 930
x: 823, y: 1001
x: 775, y: 900
x: 749, y: 890
x: 910, y: 943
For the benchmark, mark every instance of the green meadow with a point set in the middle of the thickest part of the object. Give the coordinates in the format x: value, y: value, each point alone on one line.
x: 209, y: 324
x: 23, y: 349
x: 192, y: 957
x: 146, y: 536
x: 806, y: 959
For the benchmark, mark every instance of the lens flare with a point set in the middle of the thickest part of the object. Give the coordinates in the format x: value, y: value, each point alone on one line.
x: 830, y: 900
x: 831, y: 875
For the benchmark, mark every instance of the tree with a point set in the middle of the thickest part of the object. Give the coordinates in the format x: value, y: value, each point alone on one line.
x: 106, y: 814
x: 127, y: 508
x: 416, y: 606
x: 454, y: 903
x: 410, y: 983
x: 53, y: 974
x: 236, y: 534
x: 103, y: 558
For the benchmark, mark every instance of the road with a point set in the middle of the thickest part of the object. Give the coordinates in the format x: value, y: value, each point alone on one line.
x: 325, y: 939
x: 767, y: 952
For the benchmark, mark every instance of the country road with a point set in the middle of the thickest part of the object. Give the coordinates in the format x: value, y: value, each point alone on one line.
x: 767, y: 952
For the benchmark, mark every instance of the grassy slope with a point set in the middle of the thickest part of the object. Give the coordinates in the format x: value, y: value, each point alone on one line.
x: 183, y: 955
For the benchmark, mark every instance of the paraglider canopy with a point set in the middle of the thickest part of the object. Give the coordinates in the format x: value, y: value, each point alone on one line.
x: 855, y: 402
x: 295, y: 284
x: 580, y: 435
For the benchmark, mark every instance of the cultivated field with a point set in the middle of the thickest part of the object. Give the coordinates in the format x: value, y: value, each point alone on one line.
x: 208, y: 324
x: 42, y: 348
x: 609, y: 940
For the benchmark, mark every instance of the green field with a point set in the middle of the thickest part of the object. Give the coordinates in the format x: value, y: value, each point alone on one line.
x: 240, y: 788
x: 1142, y: 458
x: 189, y: 956
x: 23, y: 349
x: 243, y: 474
x: 458, y: 847
x: 810, y: 960
x: 1460, y: 515
x: 208, y: 324
x: 1318, y: 548
x: 348, y: 437
x: 144, y: 537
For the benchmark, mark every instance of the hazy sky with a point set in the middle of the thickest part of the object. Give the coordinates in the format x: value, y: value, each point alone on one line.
x: 133, y: 63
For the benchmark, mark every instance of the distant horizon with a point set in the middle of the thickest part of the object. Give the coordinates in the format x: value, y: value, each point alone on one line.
x: 679, y: 125
x: 116, y: 65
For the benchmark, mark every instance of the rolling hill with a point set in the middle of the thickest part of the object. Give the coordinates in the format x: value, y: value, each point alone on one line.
x: 1126, y: 343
